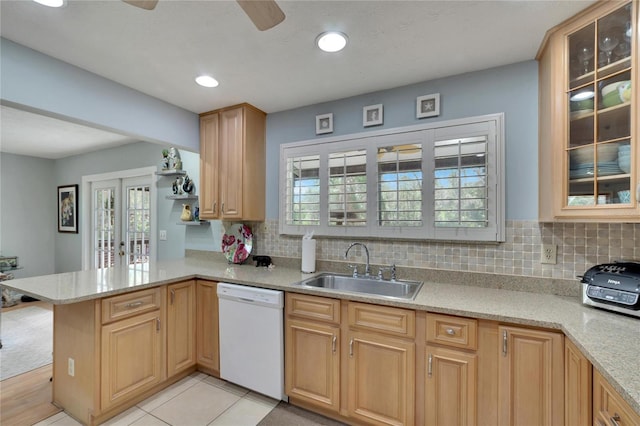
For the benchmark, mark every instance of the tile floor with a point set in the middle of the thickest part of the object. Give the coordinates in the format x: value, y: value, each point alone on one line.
x: 196, y: 400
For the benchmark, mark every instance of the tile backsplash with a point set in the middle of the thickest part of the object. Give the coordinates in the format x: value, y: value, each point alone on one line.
x: 579, y: 246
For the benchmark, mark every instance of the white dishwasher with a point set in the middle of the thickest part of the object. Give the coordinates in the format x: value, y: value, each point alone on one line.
x: 252, y: 338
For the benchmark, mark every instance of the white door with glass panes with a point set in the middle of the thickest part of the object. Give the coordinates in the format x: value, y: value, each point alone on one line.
x: 121, y: 221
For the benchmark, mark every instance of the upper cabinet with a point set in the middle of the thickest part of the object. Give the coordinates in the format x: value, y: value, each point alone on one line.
x: 232, y: 163
x: 588, y: 116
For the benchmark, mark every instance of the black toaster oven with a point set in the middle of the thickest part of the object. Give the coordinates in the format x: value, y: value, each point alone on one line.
x: 613, y: 286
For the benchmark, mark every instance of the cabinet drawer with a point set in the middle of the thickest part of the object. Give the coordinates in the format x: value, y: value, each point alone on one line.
x: 452, y: 331
x: 313, y: 307
x: 608, y: 406
x: 396, y: 321
x: 125, y: 305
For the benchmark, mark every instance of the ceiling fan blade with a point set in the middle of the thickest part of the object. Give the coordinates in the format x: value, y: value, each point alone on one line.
x: 264, y: 14
x: 142, y: 4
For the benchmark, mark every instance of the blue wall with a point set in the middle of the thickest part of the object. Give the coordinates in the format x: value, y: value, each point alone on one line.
x: 512, y: 89
x: 36, y: 82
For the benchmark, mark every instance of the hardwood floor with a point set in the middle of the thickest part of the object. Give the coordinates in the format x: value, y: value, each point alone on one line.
x: 26, y: 399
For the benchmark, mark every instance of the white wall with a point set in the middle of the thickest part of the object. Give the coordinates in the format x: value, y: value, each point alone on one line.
x: 28, y: 213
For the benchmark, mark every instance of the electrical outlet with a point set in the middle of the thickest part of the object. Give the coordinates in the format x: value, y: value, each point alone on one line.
x: 163, y: 235
x: 548, y: 254
x: 72, y: 367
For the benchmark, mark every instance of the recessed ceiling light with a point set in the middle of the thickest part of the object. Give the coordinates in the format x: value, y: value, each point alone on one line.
x: 207, y: 81
x: 332, y: 41
x: 51, y: 3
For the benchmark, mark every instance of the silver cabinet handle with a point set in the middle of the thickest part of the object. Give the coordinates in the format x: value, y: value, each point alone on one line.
x: 134, y: 304
x: 173, y: 295
x: 333, y: 344
x: 351, y: 348
x: 430, y: 366
x: 615, y: 419
x: 222, y: 209
x: 504, y: 343
x: 157, y: 324
x: 451, y: 332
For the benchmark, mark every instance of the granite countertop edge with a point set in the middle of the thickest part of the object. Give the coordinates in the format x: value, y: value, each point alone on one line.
x: 610, y: 341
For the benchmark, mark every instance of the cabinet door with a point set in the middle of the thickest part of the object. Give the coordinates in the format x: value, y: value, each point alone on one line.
x: 209, y: 157
x: 530, y: 377
x: 381, y: 379
x: 181, y: 330
x: 131, y: 358
x: 451, y: 387
x: 577, y: 386
x: 231, y: 163
x: 312, y: 363
x: 207, y: 348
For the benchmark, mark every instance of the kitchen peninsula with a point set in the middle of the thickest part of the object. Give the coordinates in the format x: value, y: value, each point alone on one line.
x: 609, y: 341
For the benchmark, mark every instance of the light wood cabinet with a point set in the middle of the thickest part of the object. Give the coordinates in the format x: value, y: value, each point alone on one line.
x: 450, y: 370
x: 312, y: 352
x: 181, y: 327
x: 207, y: 334
x: 381, y: 364
x: 313, y: 363
x: 609, y: 408
x: 451, y: 387
x: 131, y: 358
x: 589, y: 155
x: 577, y: 386
x: 530, y: 377
x: 233, y: 163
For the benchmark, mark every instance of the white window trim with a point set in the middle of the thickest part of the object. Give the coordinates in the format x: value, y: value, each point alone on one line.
x: 427, y: 231
x: 85, y: 223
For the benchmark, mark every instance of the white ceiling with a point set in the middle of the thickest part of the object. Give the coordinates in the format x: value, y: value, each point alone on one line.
x: 391, y: 44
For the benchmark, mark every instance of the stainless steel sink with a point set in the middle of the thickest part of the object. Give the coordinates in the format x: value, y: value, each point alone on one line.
x: 398, y: 289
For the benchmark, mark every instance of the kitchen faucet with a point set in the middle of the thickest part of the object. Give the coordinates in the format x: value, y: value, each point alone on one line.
x: 367, y: 268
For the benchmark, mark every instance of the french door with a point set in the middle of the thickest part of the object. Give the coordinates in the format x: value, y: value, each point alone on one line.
x: 121, y: 221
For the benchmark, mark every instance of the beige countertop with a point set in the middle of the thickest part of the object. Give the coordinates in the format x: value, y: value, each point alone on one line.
x: 610, y: 341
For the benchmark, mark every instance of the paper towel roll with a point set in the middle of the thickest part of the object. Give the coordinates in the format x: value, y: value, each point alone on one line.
x: 308, y: 255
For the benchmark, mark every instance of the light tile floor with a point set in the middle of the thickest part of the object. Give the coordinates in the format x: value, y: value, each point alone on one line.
x: 196, y: 400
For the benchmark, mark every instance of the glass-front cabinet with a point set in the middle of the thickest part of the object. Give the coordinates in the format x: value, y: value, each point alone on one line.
x: 589, y: 116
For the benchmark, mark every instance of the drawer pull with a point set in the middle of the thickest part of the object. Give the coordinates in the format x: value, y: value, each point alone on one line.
x: 134, y: 304
x: 157, y: 324
x: 173, y: 296
x: 615, y: 419
x: 215, y: 206
x: 430, y: 365
x: 451, y: 332
x: 351, y: 348
x: 333, y: 344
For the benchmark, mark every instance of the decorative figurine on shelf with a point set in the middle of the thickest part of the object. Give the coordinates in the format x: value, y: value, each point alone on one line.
x: 187, y: 185
x: 174, y: 158
x: 186, y: 213
x: 177, y: 186
x: 165, y: 159
x: 196, y: 214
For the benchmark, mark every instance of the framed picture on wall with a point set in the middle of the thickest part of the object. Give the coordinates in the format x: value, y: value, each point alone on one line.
x: 68, y: 208
x: 324, y: 123
x: 428, y: 106
x: 372, y: 115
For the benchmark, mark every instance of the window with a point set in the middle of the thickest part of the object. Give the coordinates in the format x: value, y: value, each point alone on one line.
x: 440, y: 181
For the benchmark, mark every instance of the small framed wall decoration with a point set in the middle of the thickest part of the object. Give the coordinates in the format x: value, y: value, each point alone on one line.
x: 372, y: 115
x: 324, y: 123
x: 428, y: 106
x: 68, y: 208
